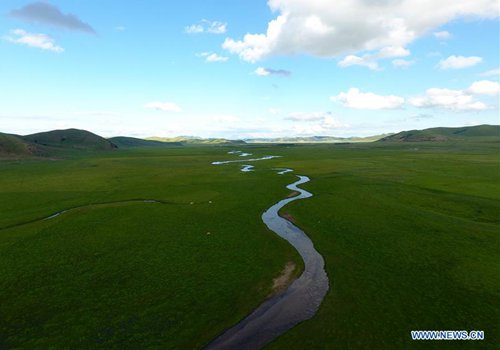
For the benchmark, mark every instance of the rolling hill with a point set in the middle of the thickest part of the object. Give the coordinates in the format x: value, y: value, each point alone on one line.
x: 66, y: 142
x: 12, y: 145
x: 445, y: 134
x: 52, y: 143
x: 71, y: 138
x: 132, y: 142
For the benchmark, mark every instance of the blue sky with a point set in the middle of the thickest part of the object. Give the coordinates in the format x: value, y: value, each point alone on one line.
x: 240, y: 69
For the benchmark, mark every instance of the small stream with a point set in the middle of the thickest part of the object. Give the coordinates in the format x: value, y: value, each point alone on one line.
x: 245, y: 160
x: 247, y: 168
x: 296, y: 304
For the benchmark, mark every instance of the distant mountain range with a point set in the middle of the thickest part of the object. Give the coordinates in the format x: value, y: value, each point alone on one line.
x: 194, y: 140
x: 316, y: 139
x: 60, y: 143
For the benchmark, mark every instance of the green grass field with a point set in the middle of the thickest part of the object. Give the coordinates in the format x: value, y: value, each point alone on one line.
x: 409, y: 233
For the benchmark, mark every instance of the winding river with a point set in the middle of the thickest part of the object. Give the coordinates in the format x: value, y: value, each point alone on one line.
x: 298, y: 303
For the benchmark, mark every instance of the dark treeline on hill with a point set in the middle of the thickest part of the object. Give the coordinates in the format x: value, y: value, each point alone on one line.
x: 60, y: 143
x: 445, y: 134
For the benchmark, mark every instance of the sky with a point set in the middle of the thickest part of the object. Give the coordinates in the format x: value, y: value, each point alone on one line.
x: 248, y: 69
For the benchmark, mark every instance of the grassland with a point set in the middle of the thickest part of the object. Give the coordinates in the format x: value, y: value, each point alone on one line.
x: 131, y: 274
x: 409, y: 233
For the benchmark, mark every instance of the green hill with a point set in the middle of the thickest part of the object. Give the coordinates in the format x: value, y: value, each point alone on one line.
x: 132, y: 142
x: 13, y: 145
x: 446, y: 134
x: 71, y: 138
x: 52, y: 143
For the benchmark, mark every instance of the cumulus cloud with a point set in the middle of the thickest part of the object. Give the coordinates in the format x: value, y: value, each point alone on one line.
x: 44, y: 12
x: 455, y: 100
x: 264, y: 72
x: 213, y: 57
x: 325, y: 29
x: 356, y: 99
x: 459, y: 62
x: 38, y: 40
x: 205, y: 26
x: 163, y: 106
x: 442, y: 35
x: 484, y: 87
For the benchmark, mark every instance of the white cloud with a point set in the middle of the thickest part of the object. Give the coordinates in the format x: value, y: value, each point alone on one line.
x: 325, y: 29
x: 331, y: 123
x: 491, y: 73
x: 264, y: 72
x: 319, y: 123
x: 456, y: 100
x: 312, y: 123
x: 217, y: 28
x: 484, y: 87
x: 459, y: 62
x: 353, y: 60
x: 213, y: 57
x: 205, y: 26
x: 392, y: 51
x: 194, y: 29
x: 442, y: 35
x: 38, y: 40
x: 163, y: 106
x: 216, y: 58
x: 356, y: 99
x: 307, y: 116
x: 401, y: 63
x: 370, y: 60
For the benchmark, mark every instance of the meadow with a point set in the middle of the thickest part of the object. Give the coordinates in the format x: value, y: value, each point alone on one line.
x: 409, y: 233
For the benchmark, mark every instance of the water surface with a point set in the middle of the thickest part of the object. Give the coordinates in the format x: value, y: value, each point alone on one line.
x: 299, y: 302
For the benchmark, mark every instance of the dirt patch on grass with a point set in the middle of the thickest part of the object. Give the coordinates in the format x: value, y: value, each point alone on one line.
x: 286, y: 277
x: 293, y: 194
